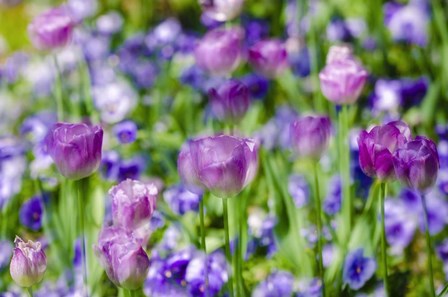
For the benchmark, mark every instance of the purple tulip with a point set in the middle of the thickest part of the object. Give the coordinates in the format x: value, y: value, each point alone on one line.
x: 52, y: 29
x: 75, y: 148
x: 219, y: 51
x: 310, y: 136
x: 123, y: 258
x: 28, y: 263
x: 222, y: 10
x: 230, y: 101
x: 376, y: 148
x: 358, y: 269
x: 268, y: 57
x: 343, y: 77
x: 417, y: 163
x: 222, y: 164
x: 133, y: 204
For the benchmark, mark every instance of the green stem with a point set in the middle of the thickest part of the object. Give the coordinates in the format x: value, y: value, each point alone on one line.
x: 383, y: 238
x: 82, y: 190
x: 29, y: 290
x: 227, y: 238
x: 238, y: 254
x: 58, y: 91
x: 428, y: 248
x: 319, y: 228
x: 203, y: 245
x: 344, y: 167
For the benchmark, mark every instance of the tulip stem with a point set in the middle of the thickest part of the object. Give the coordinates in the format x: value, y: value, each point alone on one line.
x: 344, y: 167
x: 203, y: 245
x: 58, y: 91
x: 319, y: 227
x: 29, y: 290
x: 428, y: 247
x: 383, y: 238
x: 82, y: 190
x: 227, y: 238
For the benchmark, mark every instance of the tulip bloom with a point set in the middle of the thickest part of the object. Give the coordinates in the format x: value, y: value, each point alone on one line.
x: 343, y: 77
x: 310, y: 136
x: 123, y: 258
x: 28, y: 263
x: 222, y: 164
x: 133, y: 204
x: 52, y: 29
x: 75, y: 149
x: 222, y: 10
x: 376, y: 148
x: 417, y: 163
x: 269, y: 57
x: 230, y: 101
x: 219, y: 51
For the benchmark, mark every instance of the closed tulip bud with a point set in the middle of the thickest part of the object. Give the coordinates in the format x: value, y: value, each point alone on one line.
x: 310, y: 136
x: 268, y: 57
x: 219, y: 51
x: 28, y: 263
x: 377, y: 147
x: 123, y: 258
x: 343, y: 77
x: 75, y: 148
x: 133, y: 204
x: 230, y: 101
x: 221, y: 164
x: 222, y: 10
x: 417, y: 163
x: 52, y: 29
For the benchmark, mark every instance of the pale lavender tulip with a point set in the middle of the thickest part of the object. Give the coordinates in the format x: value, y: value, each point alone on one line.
x: 28, y: 263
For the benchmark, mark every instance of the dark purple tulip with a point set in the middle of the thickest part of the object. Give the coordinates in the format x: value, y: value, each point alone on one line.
x: 310, y: 136
x: 230, y: 101
x: 358, y: 269
x: 222, y: 10
x: 343, y: 77
x: 75, y: 148
x: 123, y: 258
x: 222, y: 164
x: 268, y: 57
x: 31, y: 213
x: 219, y: 51
x: 376, y: 148
x: 133, y: 203
x: 28, y: 263
x: 52, y: 29
x: 417, y: 163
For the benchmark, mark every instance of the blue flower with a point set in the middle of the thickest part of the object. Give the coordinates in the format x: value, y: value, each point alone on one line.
x: 299, y: 189
x: 400, y: 225
x: 126, y: 132
x: 277, y: 284
x: 110, y: 164
x: 358, y: 269
x: 258, y: 85
x: 332, y: 203
x: 131, y: 168
x: 31, y: 213
x: 309, y: 288
x: 181, y: 200
x: 6, y: 249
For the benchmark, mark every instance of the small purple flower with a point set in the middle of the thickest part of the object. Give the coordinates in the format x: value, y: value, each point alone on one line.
x: 300, y: 61
x: 258, y: 85
x: 181, y: 200
x: 442, y: 251
x: 279, y: 283
x: 6, y: 249
x: 343, y: 78
x: 358, y: 269
x: 126, y: 132
x: 261, y: 228
x: 222, y: 10
x: 81, y: 9
x: 52, y: 29
x: 215, y: 265
x: 109, y: 23
x: 222, y: 164
x: 437, y: 213
x: 256, y: 30
x: 123, y: 258
x: 268, y: 57
x: 417, y: 163
x: 230, y: 100
x: 309, y: 288
x: 377, y: 147
x: 299, y: 189
x: 400, y: 227
x: 31, y: 213
x: 133, y: 203
x: 131, y: 168
x: 110, y: 164
x: 333, y: 200
x: 75, y: 148
x: 224, y: 43
x: 310, y: 136
x: 28, y: 264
